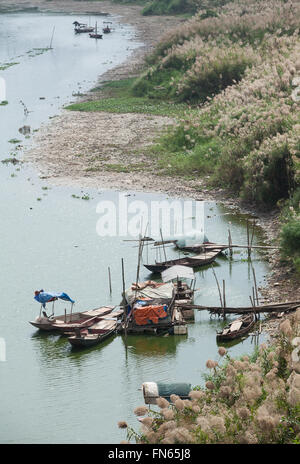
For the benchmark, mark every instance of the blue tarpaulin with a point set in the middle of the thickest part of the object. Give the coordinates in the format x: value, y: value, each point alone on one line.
x: 46, y: 297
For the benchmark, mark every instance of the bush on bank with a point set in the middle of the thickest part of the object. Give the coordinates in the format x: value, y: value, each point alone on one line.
x: 165, y: 7
x: 236, y: 71
x: 255, y: 399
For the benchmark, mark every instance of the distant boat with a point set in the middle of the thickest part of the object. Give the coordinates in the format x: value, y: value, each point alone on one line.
x: 190, y: 261
x: 95, y: 35
x: 237, y: 328
x: 81, y: 28
x: 93, y: 335
x: 107, y: 28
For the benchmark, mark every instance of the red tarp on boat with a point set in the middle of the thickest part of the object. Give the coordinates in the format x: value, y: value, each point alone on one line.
x: 150, y: 314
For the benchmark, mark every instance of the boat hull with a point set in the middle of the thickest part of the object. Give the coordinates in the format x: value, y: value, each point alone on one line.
x: 237, y: 334
x: 194, y: 262
x: 45, y: 326
x: 85, y: 342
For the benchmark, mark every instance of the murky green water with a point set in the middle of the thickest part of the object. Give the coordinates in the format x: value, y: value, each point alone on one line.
x: 49, y: 393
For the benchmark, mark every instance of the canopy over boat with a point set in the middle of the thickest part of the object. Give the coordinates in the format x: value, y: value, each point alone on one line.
x: 152, y: 290
x: 45, y: 297
x: 180, y: 272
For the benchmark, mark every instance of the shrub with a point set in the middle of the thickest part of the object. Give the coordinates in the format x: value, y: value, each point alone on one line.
x: 248, y: 400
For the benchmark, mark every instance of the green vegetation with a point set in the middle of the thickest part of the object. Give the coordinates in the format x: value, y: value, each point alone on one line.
x: 251, y: 400
x: 121, y: 100
x: 166, y: 7
x: 290, y: 233
x: 37, y: 51
x: 4, y: 103
x: 5, y: 66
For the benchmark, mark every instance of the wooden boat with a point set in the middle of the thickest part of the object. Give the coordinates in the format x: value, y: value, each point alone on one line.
x: 191, y: 261
x: 106, y: 29
x: 48, y: 323
x: 95, y: 35
x: 237, y: 328
x: 93, y: 335
x: 83, y: 30
x: 202, y: 247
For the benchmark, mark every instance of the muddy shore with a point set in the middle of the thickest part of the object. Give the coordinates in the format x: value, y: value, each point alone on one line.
x: 109, y: 152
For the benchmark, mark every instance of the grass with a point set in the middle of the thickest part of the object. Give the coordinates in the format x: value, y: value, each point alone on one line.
x: 116, y: 97
x: 4, y: 103
x: 130, y: 105
x: 5, y: 66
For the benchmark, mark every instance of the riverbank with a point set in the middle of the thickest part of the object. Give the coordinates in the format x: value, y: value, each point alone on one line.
x: 104, y: 150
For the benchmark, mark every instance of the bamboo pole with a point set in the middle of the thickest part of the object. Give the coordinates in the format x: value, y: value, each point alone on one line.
x: 138, y: 267
x: 273, y: 307
x: 255, y: 284
x: 124, y: 302
x: 230, y: 243
x: 224, y: 300
x: 248, y: 239
x: 50, y: 46
x: 252, y: 236
x: 163, y: 245
x: 218, y: 287
x: 253, y: 305
x: 109, y: 280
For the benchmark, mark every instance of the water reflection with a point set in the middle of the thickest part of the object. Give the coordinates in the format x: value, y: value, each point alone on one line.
x: 153, y: 346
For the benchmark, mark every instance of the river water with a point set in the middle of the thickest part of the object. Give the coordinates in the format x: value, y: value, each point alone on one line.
x: 50, y: 393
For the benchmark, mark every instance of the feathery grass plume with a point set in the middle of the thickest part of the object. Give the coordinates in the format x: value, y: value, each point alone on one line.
x: 152, y: 437
x: 122, y: 425
x: 203, y: 423
x: 210, y: 385
x: 252, y: 394
x: 243, y: 413
x: 248, y: 438
x: 196, y: 409
x: 167, y: 413
x: 286, y: 328
x: 147, y: 421
x: 182, y: 435
x: 196, y: 394
x: 179, y: 404
x: 141, y: 411
x: 217, y: 423
x: 210, y: 364
x: 162, y: 403
x: 222, y: 351
x: 174, y: 398
x: 225, y: 391
x: 169, y: 425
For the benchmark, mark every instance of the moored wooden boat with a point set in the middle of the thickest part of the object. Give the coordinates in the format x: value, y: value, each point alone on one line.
x: 95, y: 34
x: 237, y: 328
x: 201, y: 247
x: 50, y: 323
x: 93, y: 335
x: 191, y: 261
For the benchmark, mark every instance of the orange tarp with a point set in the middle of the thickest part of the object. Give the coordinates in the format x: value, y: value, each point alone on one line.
x: 148, y: 314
